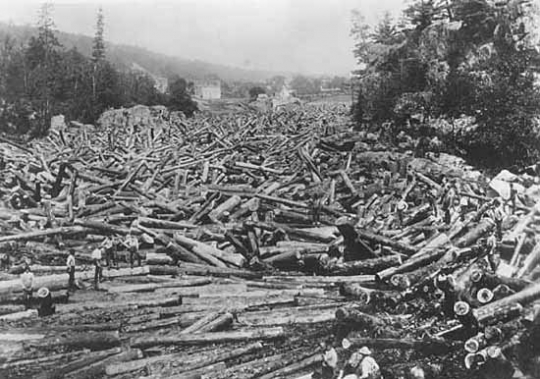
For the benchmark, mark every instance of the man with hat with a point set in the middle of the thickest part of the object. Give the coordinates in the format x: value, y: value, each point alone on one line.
x: 330, y: 360
x: 364, y: 364
x: 96, y: 259
x: 70, y: 266
x: 46, y: 303
x: 27, y: 281
x: 132, y: 244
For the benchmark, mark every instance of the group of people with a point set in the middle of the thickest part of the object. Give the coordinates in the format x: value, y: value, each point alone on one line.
x: 108, y: 251
x: 359, y: 365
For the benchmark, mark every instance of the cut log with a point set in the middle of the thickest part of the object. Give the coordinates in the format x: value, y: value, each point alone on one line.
x: 98, y: 369
x: 289, y: 316
x: 154, y: 286
x: 62, y: 231
x: 376, y: 238
x: 427, y: 346
x: 294, y: 367
x: 134, y: 365
x: 351, y: 315
x: 485, y: 226
x: 363, y: 267
x: 209, y: 253
x: 208, y: 338
x: 411, y: 264
x: 158, y: 259
x: 220, y: 322
x: 195, y: 327
x: 199, y: 372
x: 92, y: 341
x: 85, y: 361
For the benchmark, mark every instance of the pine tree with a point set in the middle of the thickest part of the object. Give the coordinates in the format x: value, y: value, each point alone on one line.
x: 98, y: 51
x: 42, y: 58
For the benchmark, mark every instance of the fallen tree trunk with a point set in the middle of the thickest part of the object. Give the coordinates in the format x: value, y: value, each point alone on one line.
x: 426, y: 346
x: 294, y: 367
x: 204, y: 338
x: 363, y: 267
x: 154, y: 286
x: 98, y: 369
x: 92, y: 341
x: 203, y: 270
x: 289, y: 316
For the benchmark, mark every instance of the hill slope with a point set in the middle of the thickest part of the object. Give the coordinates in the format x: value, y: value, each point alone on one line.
x: 158, y: 64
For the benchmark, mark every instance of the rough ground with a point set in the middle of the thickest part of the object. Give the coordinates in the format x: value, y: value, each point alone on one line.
x: 282, y: 223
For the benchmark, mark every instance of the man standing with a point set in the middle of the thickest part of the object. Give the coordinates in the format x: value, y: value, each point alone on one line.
x: 96, y: 259
x: 70, y: 263
x: 110, y: 252
x: 330, y: 360
x: 4, y: 261
x: 368, y: 368
x: 27, y: 281
x: 132, y: 244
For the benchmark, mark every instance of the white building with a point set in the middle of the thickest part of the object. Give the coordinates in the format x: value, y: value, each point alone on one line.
x: 208, y: 90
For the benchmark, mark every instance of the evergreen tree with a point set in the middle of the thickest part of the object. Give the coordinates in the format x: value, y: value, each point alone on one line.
x: 42, y: 61
x: 98, y: 49
x: 98, y: 52
x: 453, y: 58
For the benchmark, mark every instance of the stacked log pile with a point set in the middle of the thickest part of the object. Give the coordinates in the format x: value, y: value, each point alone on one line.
x: 261, y: 236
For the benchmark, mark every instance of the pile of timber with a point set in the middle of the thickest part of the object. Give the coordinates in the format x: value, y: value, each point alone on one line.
x: 261, y: 236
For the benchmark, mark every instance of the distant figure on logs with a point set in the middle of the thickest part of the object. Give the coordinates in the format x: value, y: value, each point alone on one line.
x: 96, y: 259
x: 27, y: 281
x: 46, y: 303
x: 110, y: 252
x: 132, y: 244
x: 70, y: 266
x: 5, y: 261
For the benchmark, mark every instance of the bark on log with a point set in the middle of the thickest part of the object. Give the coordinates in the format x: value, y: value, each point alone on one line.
x: 208, y: 252
x: 376, y: 238
x: 209, y: 338
x: 194, y: 328
x: 220, y: 322
x: 289, y: 316
x: 436, y: 346
x: 63, y: 231
x: 485, y: 226
x: 203, y: 270
x: 125, y: 367
x: 92, y: 341
x: 411, y: 264
x: 154, y: 286
x: 98, y: 369
x: 199, y: 372
x: 81, y: 363
x: 364, y: 267
x: 348, y: 314
x: 294, y: 367
x: 205, y: 360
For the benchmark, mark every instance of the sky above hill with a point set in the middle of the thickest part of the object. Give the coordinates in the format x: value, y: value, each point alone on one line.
x: 307, y: 36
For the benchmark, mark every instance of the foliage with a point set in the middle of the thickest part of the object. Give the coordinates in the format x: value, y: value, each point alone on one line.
x: 254, y: 92
x: 303, y: 85
x: 98, y: 47
x: 179, y: 98
x: 453, y: 58
x: 40, y: 78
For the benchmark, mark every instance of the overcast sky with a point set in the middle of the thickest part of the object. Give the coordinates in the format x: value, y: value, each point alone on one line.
x: 310, y: 36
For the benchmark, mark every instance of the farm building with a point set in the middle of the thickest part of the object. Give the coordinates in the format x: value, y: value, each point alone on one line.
x: 208, y: 90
